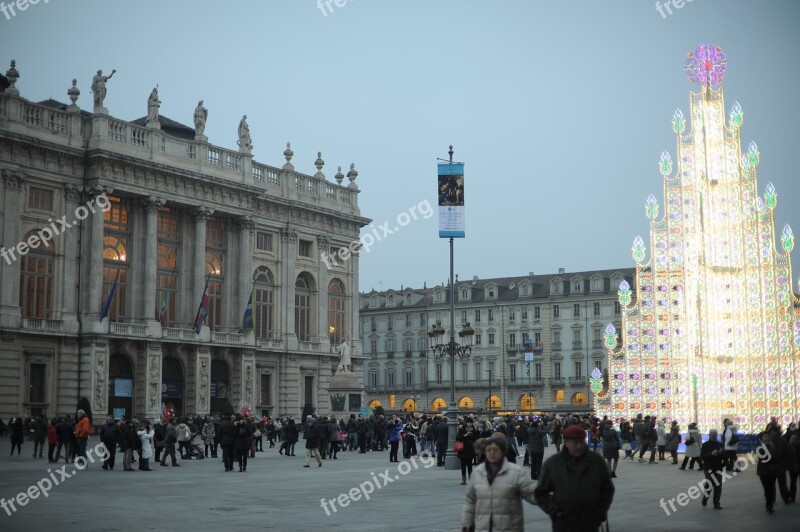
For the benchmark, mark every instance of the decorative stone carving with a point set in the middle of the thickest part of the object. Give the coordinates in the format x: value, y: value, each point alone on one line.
x: 319, y: 163
x: 352, y: 175
x: 287, y: 235
x: 71, y: 192
x: 154, y: 392
x: 247, y: 223
x: 153, y: 103
x: 152, y: 204
x: 339, y: 176
x: 345, y: 362
x: 248, y: 384
x: 12, y: 75
x: 13, y: 181
x: 323, y: 241
x: 100, y: 387
x: 288, y: 154
x: 202, y: 213
x: 73, y: 93
x: 99, y: 88
x: 245, y: 142
x: 204, y: 377
x: 200, y: 117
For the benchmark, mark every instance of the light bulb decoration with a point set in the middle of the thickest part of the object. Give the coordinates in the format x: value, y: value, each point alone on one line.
x: 678, y: 122
x: 665, y: 164
x: 770, y: 196
x: 736, y: 116
x: 638, y: 249
x: 651, y: 207
x: 624, y: 293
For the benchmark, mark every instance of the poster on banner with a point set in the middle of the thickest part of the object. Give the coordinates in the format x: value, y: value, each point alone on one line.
x: 451, y: 200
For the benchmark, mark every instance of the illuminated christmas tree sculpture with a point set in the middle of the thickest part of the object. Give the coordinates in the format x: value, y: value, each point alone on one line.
x: 714, y: 329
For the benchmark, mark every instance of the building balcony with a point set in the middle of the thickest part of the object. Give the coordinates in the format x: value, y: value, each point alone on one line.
x: 127, y: 329
x: 557, y: 381
x: 178, y: 334
x: 556, y: 346
x: 273, y: 342
x: 577, y: 345
x: 409, y: 353
x: 538, y: 348
x: 577, y: 381
x: 227, y: 337
x: 597, y: 344
x: 40, y: 324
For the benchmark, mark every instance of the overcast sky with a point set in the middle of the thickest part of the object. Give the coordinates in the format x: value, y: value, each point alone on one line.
x: 560, y: 109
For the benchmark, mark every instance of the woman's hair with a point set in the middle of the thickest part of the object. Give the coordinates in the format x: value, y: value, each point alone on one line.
x: 480, y: 445
x: 500, y: 442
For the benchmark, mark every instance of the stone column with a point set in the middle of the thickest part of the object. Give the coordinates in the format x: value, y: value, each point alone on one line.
x: 70, y: 283
x: 246, y: 227
x: 151, y: 206
x: 289, y: 254
x: 354, y: 301
x: 323, y: 244
x: 248, y: 375
x: 200, y: 215
x: 153, y: 380
x: 9, y: 265
x: 203, y: 381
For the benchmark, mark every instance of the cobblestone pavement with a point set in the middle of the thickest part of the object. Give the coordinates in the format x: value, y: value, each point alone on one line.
x: 278, y: 493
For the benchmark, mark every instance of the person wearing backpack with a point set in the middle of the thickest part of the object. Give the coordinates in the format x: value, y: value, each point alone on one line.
x: 242, y: 442
x: 692, y: 452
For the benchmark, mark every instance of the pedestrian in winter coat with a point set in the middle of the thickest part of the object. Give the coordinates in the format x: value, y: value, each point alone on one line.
x: 227, y: 434
x: 673, y: 440
x: 536, y: 436
x: 731, y: 446
x: 311, y: 436
x: 495, y: 492
x: 693, y: 441
x: 184, y: 434
x: 333, y: 438
x: 575, y: 488
x: 558, y: 429
x: 241, y: 443
x: 39, y: 435
x: 146, y: 436
x: 109, y: 435
x: 611, y: 446
x: 209, y: 434
x: 661, y: 439
x: 466, y: 455
x: 52, y: 441
x: 771, y: 468
x: 793, y: 465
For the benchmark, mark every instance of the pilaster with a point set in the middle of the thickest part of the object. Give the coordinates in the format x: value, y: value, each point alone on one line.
x: 9, y: 267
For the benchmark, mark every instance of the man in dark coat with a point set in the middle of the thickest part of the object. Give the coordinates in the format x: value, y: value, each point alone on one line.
x: 713, y: 452
x: 441, y: 441
x: 64, y: 429
x: 536, y: 448
x: 312, y: 437
x: 170, y: 439
x: 109, y: 434
x: 226, y: 436
x: 243, y: 432
x: 575, y: 488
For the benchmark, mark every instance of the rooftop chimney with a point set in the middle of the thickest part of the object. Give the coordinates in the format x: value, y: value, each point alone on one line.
x: 561, y: 271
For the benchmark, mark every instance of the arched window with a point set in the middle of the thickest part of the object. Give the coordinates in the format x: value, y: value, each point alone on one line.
x: 36, y: 280
x: 116, y: 233
x: 580, y: 399
x: 215, y: 253
x: 409, y: 405
x: 466, y: 403
x: 264, y: 302
x: 303, y: 305
x: 438, y: 404
x: 527, y: 403
x: 336, y: 313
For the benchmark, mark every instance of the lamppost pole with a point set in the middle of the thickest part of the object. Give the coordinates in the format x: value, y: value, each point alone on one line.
x: 528, y: 344
x: 491, y: 403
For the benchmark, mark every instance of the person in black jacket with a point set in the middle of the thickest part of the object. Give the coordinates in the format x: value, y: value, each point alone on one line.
x: 241, y: 442
x: 575, y: 487
x: 712, y: 453
x: 536, y: 438
x: 312, y: 437
x: 109, y: 434
x: 226, y: 437
x: 64, y: 429
x: 440, y: 431
x: 466, y: 455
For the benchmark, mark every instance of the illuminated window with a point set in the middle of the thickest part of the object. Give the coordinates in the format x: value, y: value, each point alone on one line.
x: 558, y: 396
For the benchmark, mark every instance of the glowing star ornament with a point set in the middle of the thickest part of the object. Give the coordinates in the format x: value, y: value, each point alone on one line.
x: 706, y: 66
x: 651, y: 207
x: 770, y: 196
x: 787, y: 238
x: 624, y: 293
x: 753, y: 154
x: 638, y: 249
x: 611, y: 336
x: 665, y: 164
x: 736, y: 116
x: 678, y: 122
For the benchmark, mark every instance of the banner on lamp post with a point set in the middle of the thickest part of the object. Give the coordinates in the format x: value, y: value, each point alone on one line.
x: 451, y: 200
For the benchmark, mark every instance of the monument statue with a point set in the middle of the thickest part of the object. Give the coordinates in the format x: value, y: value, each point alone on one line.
x: 345, y: 362
x: 245, y: 142
x: 99, y: 87
x: 200, y: 116
x: 153, y: 103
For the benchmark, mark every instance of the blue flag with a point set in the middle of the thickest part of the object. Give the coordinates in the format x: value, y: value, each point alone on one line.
x: 202, y: 312
x: 107, y: 305
x: 247, y: 318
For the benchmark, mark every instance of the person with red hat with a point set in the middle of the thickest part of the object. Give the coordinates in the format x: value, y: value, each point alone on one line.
x: 575, y: 487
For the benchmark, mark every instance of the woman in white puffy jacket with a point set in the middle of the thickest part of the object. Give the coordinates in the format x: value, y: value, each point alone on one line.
x: 662, y: 439
x: 146, y: 435
x: 693, y: 442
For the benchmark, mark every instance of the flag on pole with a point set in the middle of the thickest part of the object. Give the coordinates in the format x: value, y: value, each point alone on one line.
x: 247, y: 318
x: 202, y: 311
x: 107, y: 305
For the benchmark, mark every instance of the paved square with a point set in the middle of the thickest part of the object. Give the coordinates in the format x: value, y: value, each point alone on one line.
x: 278, y: 493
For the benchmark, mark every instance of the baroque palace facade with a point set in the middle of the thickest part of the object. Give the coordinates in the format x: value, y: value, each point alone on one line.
x: 105, y: 310
x: 563, y: 315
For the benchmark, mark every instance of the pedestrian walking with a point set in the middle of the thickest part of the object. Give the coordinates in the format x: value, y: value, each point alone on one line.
x: 692, y: 452
x: 661, y: 439
x: 536, y: 440
x: 673, y: 440
x: 146, y: 437
x: 17, y: 436
x: 208, y: 434
x: 793, y: 465
x: 52, y: 441
x: 170, y: 440
x: 109, y: 435
x: 242, y: 441
x: 713, y: 454
x: 731, y: 442
x: 311, y: 435
x: 495, y: 492
x: 227, y: 435
x: 611, y: 447
x: 466, y: 454
x: 575, y: 487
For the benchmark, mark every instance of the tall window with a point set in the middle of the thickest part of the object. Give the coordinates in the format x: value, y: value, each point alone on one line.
x: 409, y: 321
x: 336, y: 328
x: 373, y: 345
x: 390, y: 322
x: 264, y: 302
x: 463, y: 317
x: 491, y: 315
x: 576, y: 310
x: 598, y: 364
x: 556, y: 340
x: 116, y: 261
x: 512, y: 372
x: 215, y: 254
x: 525, y: 313
x: 491, y: 338
x: 537, y: 370
x: 478, y: 340
x: 409, y: 378
x: 617, y: 308
x: 512, y: 314
x: 557, y: 370
x: 302, y: 307
x: 478, y: 372
x: 167, y: 261
x: 537, y: 339
x: 512, y: 340
x: 266, y: 389
x: 596, y: 309
x: 556, y: 311
x: 373, y: 378
x: 36, y: 383
x: 36, y: 280
x: 578, y: 369
x: 477, y: 315
x: 438, y: 373
x: 537, y: 313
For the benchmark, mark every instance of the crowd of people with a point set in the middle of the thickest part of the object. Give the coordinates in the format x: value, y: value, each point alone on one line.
x: 573, y: 486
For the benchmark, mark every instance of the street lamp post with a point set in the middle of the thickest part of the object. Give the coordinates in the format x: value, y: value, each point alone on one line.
x: 451, y: 349
x: 528, y: 344
x: 491, y: 403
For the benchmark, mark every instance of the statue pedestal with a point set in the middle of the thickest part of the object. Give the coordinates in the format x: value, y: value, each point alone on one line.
x: 98, y: 110
x: 343, y: 384
x: 200, y: 138
x: 153, y: 125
